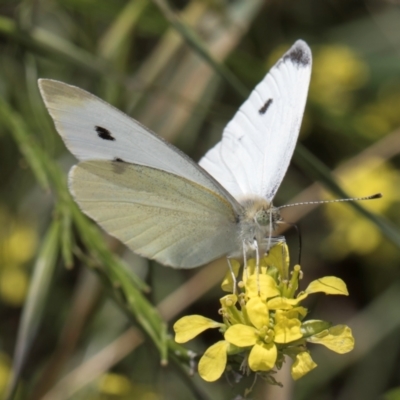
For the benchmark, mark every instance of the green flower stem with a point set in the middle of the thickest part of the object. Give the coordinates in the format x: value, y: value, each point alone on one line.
x: 293, y: 284
x: 235, y: 316
x: 246, y: 319
x: 66, y: 237
x: 32, y: 153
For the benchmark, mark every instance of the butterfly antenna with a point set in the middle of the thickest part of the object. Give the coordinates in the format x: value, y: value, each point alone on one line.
x: 372, y: 197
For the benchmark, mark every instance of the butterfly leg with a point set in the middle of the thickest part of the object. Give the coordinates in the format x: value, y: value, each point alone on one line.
x: 245, y: 271
x: 257, y: 265
x: 270, y: 230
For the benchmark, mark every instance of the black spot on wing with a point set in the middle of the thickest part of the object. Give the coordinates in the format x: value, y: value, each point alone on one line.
x: 119, y: 165
x: 298, y: 55
x: 265, y: 107
x: 104, y: 133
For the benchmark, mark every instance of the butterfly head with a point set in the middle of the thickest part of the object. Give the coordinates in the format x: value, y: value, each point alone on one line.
x: 260, y: 217
x: 267, y: 217
x: 260, y: 211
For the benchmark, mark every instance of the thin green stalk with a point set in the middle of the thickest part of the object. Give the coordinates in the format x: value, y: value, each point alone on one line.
x: 197, y: 44
x: 35, y: 303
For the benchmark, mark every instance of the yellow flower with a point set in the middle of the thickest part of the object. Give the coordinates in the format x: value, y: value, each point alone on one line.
x: 257, y: 335
x: 264, y: 322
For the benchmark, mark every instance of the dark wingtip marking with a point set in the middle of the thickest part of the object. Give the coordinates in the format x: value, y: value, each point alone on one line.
x: 104, y: 133
x: 118, y: 159
x: 265, y: 107
x: 298, y: 54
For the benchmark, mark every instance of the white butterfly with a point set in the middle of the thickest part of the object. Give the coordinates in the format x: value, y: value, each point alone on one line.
x: 159, y: 202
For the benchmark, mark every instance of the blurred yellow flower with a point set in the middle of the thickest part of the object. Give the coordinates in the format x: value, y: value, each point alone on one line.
x: 20, y: 244
x: 18, y: 239
x: 350, y: 232
x: 14, y: 284
x: 337, y: 73
x: 264, y: 322
x: 371, y: 123
x: 380, y: 116
x: 115, y: 384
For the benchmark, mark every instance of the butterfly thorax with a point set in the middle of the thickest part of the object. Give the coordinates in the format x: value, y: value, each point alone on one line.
x: 257, y: 223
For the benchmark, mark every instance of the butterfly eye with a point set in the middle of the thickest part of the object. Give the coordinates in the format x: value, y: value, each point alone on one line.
x: 262, y: 217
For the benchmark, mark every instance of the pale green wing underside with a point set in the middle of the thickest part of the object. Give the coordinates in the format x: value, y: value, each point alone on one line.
x: 155, y: 213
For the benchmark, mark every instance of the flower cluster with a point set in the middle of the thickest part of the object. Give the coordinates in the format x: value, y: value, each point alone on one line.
x: 264, y: 321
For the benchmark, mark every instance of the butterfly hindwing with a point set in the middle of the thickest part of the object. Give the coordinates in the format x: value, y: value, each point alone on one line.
x: 155, y: 213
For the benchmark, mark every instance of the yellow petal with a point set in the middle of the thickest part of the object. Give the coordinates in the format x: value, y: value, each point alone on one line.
x: 302, y: 365
x: 241, y: 335
x: 257, y: 312
x: 213, y: 362
x: 249, y: 269
x: 261, y: 285
x: 190, y: 326
x: 286, y: 329
x: 263, y: 356
x: 301, y: 296
x: 281, y: 303
x: 227, y: 283
x: 295, y: 312
x: 338, y: 339
x: 278, y: 260
x: 328, y: 285
x: 301, y: 311
x: 278, y: 256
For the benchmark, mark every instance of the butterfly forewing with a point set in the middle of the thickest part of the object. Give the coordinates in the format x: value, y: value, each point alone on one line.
x: 94, y: 130
x: 258, y: 143
x: 155, y: 213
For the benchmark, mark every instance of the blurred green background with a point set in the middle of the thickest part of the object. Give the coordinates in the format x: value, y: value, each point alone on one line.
x: 66, y: 302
